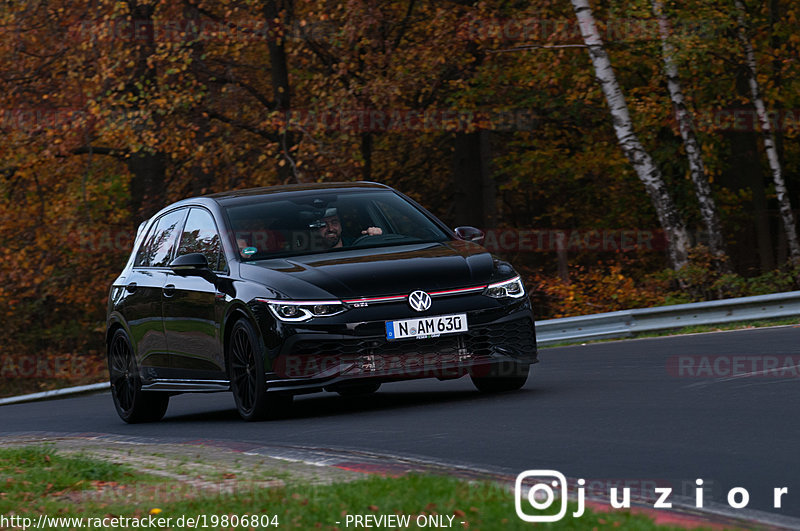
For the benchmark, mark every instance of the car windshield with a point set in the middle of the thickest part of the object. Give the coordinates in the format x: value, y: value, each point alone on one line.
x: 328, y: 221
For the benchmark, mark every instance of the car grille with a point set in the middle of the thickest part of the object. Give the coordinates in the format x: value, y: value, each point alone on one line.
x: 353, y: 348
x: 517, y: 335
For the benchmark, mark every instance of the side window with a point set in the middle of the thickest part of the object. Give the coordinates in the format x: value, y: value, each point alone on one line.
x: 157, y: 247
x: 200, y: 236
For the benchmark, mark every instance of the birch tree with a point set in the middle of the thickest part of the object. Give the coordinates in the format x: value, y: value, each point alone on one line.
x: 708, y: 208
x: 767, y: 136
x: 668, y: 216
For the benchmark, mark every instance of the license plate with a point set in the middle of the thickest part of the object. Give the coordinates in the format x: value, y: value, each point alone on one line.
x: 422, y: 327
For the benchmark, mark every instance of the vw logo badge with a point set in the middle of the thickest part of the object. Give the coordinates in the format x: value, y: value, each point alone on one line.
x: 419, y: 300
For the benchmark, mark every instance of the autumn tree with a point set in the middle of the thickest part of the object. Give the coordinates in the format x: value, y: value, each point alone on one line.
x: 768, y: 138
x: 705, y: 199
x: 646, y: 169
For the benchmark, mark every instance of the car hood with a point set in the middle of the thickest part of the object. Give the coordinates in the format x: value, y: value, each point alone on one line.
x: 375, y: 272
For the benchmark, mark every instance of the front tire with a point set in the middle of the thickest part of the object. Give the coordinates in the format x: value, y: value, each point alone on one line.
x: 248, y: 378
x: 132, y: 404
x: 502, y: 377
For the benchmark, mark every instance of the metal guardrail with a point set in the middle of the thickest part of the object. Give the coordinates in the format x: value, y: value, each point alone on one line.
x: 625, y: 323
x: 55, y: 393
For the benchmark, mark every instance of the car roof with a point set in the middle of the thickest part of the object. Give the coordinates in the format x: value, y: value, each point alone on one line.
x: 232, y: 196
x: 250, y: 195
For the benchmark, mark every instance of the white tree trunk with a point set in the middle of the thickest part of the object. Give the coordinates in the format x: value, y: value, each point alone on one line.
x: 708, y: 208
x: 668, y: 215
x: 784, y: 204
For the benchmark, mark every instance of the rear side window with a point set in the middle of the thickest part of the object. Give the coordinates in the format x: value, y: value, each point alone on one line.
x: 156, y: 251
x: 200, y: 235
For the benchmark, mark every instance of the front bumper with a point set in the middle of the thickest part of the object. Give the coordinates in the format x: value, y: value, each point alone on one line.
x: 310, y: 361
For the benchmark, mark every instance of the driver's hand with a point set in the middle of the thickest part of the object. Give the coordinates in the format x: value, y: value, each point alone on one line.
x: 372, y: 231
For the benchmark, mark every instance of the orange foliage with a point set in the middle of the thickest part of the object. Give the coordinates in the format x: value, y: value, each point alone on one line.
x: 601, y: 288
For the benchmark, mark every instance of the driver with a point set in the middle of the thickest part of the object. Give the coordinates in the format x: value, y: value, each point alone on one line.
x: 330, y: 229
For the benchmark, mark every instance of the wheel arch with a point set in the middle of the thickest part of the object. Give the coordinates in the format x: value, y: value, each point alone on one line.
x: 115, y: 322
x: 265, y: 325
x: 236, y: 312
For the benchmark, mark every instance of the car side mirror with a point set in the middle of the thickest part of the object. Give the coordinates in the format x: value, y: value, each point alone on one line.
x: 190, y: 264
x: 470, y: 234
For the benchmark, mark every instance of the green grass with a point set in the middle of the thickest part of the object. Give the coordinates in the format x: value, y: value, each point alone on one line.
x: 694, y: 329
x: 36, y: 480
x: 480, y: 505
x: 33, y: 471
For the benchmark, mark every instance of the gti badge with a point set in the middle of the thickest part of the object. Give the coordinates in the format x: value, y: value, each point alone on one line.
x: 419, y: 300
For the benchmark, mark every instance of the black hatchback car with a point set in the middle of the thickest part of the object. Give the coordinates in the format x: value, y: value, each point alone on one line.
x: 278, y: 291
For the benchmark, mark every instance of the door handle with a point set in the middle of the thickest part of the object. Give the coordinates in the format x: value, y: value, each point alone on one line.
x: 130, y: 288
x: 169, y: 290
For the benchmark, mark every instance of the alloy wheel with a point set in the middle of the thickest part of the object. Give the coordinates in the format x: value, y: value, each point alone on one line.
x: 244, y: 371
x: 122, y: 368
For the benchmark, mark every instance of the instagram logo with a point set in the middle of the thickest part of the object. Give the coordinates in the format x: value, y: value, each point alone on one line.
x: 536, y: 487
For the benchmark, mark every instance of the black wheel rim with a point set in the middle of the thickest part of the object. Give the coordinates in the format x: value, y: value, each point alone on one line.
x: 123, y: 373
x: 243, y: 369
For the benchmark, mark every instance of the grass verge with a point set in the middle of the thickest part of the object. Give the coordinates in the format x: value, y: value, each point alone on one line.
x: 37, y: 480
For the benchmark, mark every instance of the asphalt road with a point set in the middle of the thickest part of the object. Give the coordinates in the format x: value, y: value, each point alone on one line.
x: 609, y: 412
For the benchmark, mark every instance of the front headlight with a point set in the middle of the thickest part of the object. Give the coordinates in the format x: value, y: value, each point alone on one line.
x: 297, y: 311
x: 508, y: 288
